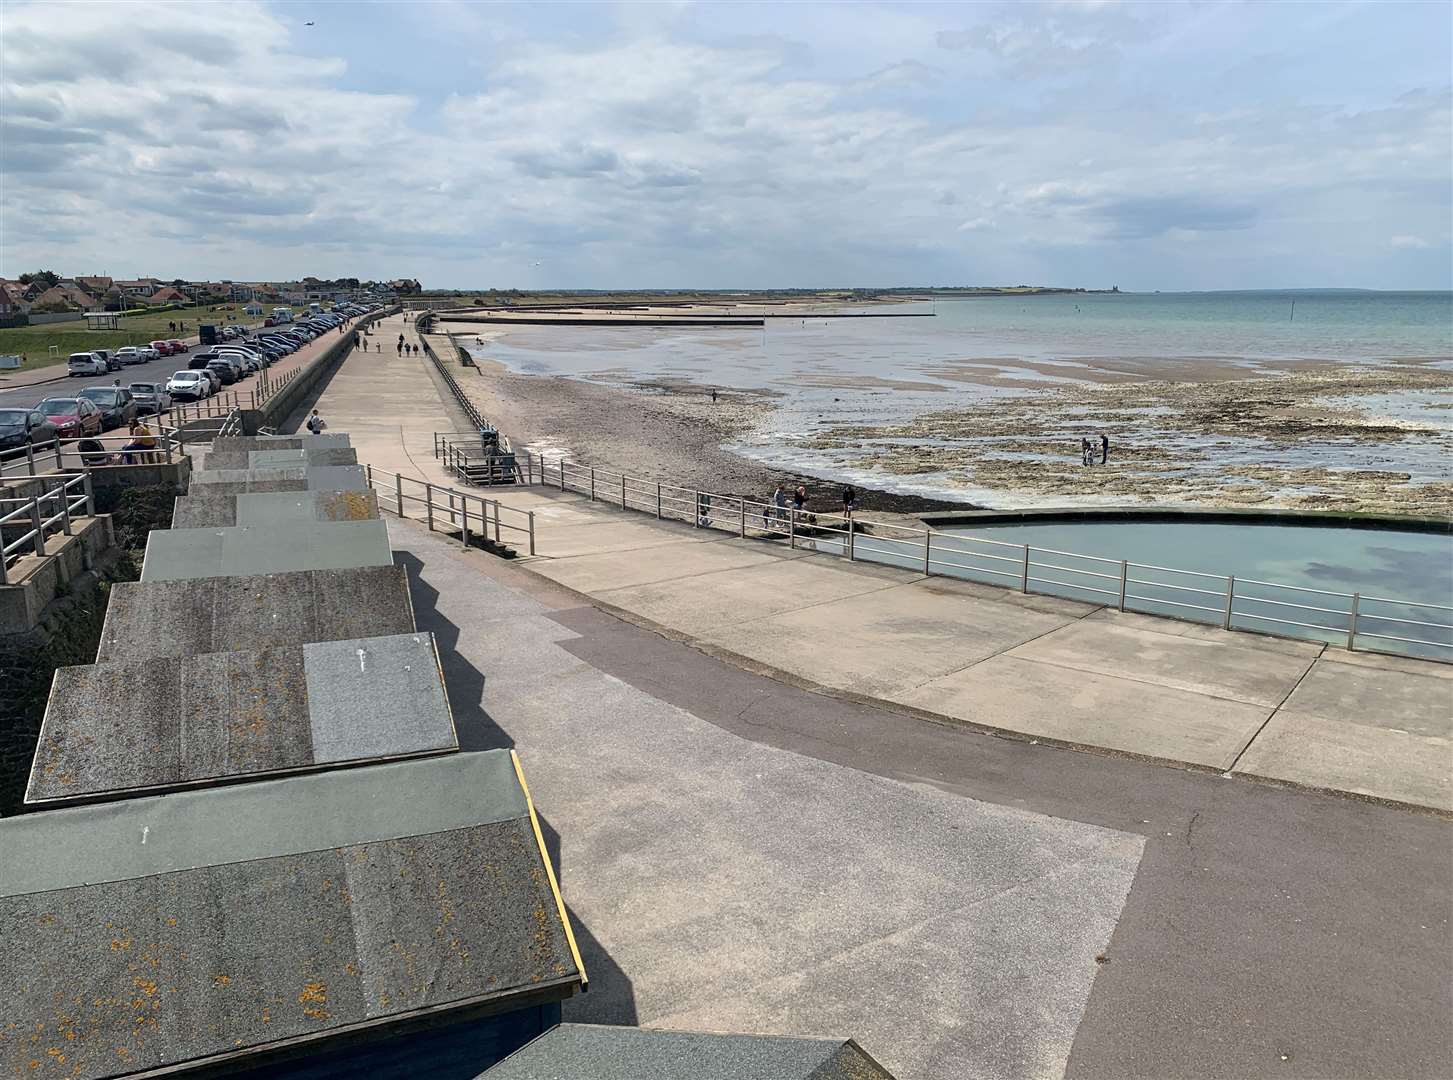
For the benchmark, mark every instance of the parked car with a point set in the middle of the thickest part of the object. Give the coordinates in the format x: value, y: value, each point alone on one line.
x: 73, y: 417
x: 189, y: 385
x: 130, y: 354
x: 117, y: 406
x: 21, y: 426
x: 147, y: 352
x: 269, y: 321
x: 150, y: 397
x: 108, y: 358
x: 85, y: 363
x: 224, y: 371
x: 179, y: 348
x: 163, y: 348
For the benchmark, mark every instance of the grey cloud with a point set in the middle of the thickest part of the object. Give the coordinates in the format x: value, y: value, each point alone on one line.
x: 567, y: 161
x: 1145, y: 217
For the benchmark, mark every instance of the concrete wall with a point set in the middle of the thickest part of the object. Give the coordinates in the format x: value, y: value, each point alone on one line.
x: 56, y: 316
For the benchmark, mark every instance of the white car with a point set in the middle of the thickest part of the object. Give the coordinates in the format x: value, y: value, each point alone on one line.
x: 130, y: 354
x: 188, y: 386
x: 147, y: 352
x: 85, y: 363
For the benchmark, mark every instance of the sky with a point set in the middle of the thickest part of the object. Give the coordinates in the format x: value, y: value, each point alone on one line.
x: 677, y: 145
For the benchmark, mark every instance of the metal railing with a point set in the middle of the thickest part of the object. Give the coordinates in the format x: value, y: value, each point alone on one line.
x: 483, y: 457
x: 222, y: 404
x: 88, y: 452
x: 1356, y: 620
x: 470, y: 410
x: 435, y: 504
x: 65, y: 496
x: 232, y: 425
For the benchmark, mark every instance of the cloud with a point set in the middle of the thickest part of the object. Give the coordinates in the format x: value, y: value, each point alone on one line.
x: 845, y: 144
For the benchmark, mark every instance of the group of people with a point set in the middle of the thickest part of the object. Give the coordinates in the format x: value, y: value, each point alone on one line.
x: 142, y: 442
x: 1087, y: 450
x: 778, y: 508
x: 403, y: 348
x: 176, y: 327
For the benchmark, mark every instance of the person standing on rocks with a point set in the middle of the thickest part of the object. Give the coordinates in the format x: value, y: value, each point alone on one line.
x: 1085, y: 458
x: 1104, y: 448
x: 850, y: 503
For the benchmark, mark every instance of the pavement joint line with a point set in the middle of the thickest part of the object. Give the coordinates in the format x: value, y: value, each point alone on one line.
x: 773, y: 615
x: 1275, y: 709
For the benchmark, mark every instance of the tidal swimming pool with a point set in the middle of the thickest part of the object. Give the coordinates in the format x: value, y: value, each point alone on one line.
x: 1391, y: 589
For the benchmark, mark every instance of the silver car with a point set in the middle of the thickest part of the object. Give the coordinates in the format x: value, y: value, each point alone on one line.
x: 151, y: 397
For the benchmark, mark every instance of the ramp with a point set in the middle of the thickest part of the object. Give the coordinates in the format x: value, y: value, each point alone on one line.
x: 119, y: 729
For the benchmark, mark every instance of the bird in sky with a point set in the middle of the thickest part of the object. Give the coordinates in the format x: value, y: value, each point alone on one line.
x: 307, y: 24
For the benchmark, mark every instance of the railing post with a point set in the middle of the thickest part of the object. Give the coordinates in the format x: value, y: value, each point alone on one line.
x: 496, y: 521
x: 1024, y: 572
x: 58, y: 452
x: 927, y: 552
x: 429, y: 504
x: 696, y: 509
x: 792, y: 528
x: 623, y: 491
x: 90, y: 495
x: 852, y: 542
x: 464, y: 530
x: 399, y: 492
x: 532, y: 531
x: 658, y: 502
x: 65, y: 509
x: 1352, y: 622
x: 562, y: 476
x: 36, y: 524
x: 1124, y: 576
x: 1230, y: 598
x: 742, y: 506
x: 166, y: 445
x: 30, y: 457
x: 592, y: 483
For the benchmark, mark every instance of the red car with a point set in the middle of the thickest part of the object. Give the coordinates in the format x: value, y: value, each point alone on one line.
x: 163, y: 347
x: 177, y: 346
x: 72, y: 417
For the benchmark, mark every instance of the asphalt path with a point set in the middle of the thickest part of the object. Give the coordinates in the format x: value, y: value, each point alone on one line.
x: 1268, y: 932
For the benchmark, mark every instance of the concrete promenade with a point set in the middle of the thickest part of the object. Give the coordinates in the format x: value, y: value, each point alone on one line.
x: 1040, y: 667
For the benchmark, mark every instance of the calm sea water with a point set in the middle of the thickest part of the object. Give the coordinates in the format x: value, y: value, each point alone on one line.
x: 826, y: 371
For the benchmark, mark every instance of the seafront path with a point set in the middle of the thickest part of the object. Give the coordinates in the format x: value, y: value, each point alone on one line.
x: 1040, y: 667
x: 742, y: 852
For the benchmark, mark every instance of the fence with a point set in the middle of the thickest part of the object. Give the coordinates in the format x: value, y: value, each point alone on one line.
x: 459, y: 395
x: 88, y: 452
x: 456, y: 508
x: 67, y: 494
x: 1358, y: 620
x: 483, y: 457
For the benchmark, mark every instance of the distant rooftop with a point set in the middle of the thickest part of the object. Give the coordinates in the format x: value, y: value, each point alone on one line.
x: 122, y: 728
x: 285, y: 915
x: 591, y: 1052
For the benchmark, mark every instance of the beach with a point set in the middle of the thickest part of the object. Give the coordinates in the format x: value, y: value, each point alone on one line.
x: 986, y: 403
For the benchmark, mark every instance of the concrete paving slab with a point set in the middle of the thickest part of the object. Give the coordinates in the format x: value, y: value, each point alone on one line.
x: 1383, y: 662
x: 241, y: 550
x: 707, y: 602
x: 1384, y: 762
x: 1420, y: 703
x: 235, y: 443
x: 279, y: 478
x: 885, y: 643
x: 119, y: 728
x: 267, y: 459
x: 265, y: 507
x: 620, y: 569
x: 1203, y: 632
x: 1221, y: 666
x: 611, y: 534
x: 224, y: 614
x: 1093, y: 710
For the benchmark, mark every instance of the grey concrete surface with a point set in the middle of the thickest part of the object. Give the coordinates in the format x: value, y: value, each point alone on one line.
x: 727, y: 878
x: 234, y: 443
x: 222, y: 614
x: 279, y: 478
x: 1245, y: 896
x: 174, y: 554
x: 588, y: 573
x: 265, y: 507
x: 256, y: 458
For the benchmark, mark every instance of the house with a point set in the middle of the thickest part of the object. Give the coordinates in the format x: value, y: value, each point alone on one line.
x: 140, y: 288
x: 167, y: 295
x: 12, y: 299
x: 96, y: 285
x: 65, y: 296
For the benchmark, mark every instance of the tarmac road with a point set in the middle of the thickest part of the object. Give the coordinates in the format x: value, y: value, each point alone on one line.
x: 63, y: 386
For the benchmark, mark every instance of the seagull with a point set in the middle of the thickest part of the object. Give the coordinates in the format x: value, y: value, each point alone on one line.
x: 307, y: 24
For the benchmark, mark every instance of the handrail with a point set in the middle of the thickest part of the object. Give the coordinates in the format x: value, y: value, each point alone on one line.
x: 454, y: 505
x: 28, y: 460
x: 42, y: 525
x: 855, y: 537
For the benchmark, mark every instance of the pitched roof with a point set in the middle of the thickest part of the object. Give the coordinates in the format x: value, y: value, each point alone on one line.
x: 624, y: 1053
x: 165, y: 295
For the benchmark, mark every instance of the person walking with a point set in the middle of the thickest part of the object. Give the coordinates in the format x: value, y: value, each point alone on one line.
x: 1104, y: 448
x: 1084, y: 451
x: 378, y: 346
x: 399, y: 348
x: 850, y: 503
x: 713, y: 397
x: 316, y: 423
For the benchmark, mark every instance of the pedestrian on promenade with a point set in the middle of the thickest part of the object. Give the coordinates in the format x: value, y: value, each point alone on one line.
x: 399, y: 348
x: 1104, y: 448
x: 378, y: 346
x: 850, y: 503
x: 713, y: 397
x: 316, y: 423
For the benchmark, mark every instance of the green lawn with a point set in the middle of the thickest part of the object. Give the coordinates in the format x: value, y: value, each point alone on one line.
x: 34, y: 342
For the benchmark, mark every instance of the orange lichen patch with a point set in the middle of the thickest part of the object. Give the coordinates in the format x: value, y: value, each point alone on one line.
x: 313, y: 998
x: 47, y: 919
x: 146, y: 986
x: 221, y: 980
x: 120, y: 944
x: 267, y: 1016
x: 350, y: 969
x: 171, y: 920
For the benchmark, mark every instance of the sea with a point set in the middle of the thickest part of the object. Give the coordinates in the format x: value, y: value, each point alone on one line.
x: 822, y: 371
